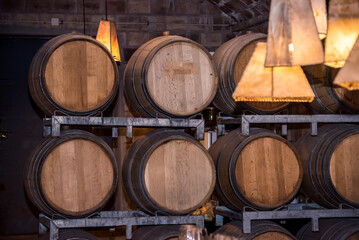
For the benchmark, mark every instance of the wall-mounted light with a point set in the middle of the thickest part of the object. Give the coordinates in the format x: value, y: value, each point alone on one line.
x: 292, y: 35
x: 343, y: 30
x: 272, y: 84
x: 320, y: 16
x: 107, y: 35
x: 348, y: 76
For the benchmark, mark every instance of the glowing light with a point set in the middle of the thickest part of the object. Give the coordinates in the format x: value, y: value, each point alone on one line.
x: 106, y: 34
x: 343, y: 30
x: 272, y: 84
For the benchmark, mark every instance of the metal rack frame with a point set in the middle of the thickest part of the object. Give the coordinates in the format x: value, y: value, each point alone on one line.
x: 313, y: 120
x: 113, y: 219
x: 52, y: 125
x: 291, y: 211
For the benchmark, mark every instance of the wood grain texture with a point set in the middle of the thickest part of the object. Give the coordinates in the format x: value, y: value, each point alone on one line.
x: 79, y: 76
x: 120, y: 147
x: 324, y: 155
x: 181, y: 78
x: 267, y: 172
x: 160, y: 174
x: 68, y: 175
x: 178, y: 175
x: 170, y: 76
x: 261, y: 170
x: 344, y: 168
x: 76, y: 176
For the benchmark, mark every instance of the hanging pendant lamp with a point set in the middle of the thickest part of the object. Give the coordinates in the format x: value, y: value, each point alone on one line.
x: 107, y: 35
x: 348, y: 76
x: 279, y: 84
x: 320, y: 16
x: 292, y: 35
x: 343, y: 30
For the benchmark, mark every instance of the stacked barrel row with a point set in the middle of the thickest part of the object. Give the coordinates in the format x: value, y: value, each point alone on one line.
x: 265, y: 171
x: 166, y: 170
x: 75, y: 174
x: 168, y: 76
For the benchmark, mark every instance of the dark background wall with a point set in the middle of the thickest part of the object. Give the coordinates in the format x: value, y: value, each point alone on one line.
x: 21, y: 130
x: 26, y: 24
x: 137, y: 21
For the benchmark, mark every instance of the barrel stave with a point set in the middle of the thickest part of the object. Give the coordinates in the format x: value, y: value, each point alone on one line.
x: 162, y: 80
x: 239, y: 170
x: 59, y: 81
x: 316, y: 153
x: 42, y: 175
x: 174, y: 169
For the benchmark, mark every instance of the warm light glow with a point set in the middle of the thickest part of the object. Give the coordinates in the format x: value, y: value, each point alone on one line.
x: 107, y: 35
x: 322, y: 36
x: 348, y: 76
x: 273, y: 84
x: 320, y: 17
x: 343, y: 30
x: 291, y: 47
x: 293, y: 38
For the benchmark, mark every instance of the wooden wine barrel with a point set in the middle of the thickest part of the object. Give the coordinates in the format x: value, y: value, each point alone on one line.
x: 330, y: 98
x: 260, y: 230
x: 168, y: 171
x: 170, y: 76
x: 71, y: 234
x: 261, y: 170
x: 231, y: 59
x: 169, y: 232
x: 74, y: 74
x: 331, y: 229
x: 73, y: 175
x: 331, y: 165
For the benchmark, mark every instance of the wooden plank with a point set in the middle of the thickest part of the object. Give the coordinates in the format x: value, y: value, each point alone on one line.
x: 77, y: 176
x: 121, y: 145
x: 344, y: 165
x: 268, y: 172
x: 179, y: 175
x: 79, y: 76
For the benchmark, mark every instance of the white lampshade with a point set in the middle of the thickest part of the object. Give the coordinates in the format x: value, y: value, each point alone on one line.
x: 293, y: 38
x: 348, y: 76
x: 343, y: 30
x: 278, y: 84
